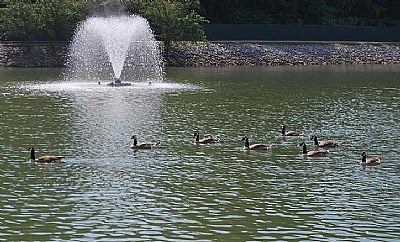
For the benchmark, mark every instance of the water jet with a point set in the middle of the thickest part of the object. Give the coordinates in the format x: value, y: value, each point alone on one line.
x: 117, y: 48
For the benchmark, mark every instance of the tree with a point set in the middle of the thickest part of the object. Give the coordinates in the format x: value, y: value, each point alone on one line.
x: 329, y: 12
x: 19, y: 21
x: 40, y: 19
x: 171, y: 20
x: 58, y: 18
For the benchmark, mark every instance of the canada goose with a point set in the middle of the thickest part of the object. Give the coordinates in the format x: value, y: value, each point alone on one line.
x: 44, y: 159
x: 290, y: 133
x: 313, y: 153
x: 143, y: 145
x: 205, y: 140
x: 325, y: 144
x: 370, y: 161
x: 247, y: 145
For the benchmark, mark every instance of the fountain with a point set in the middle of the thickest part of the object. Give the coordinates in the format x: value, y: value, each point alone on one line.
x: 116, y: 48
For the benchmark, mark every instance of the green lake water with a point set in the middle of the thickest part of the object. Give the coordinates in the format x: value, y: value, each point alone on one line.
x: 183, y: 191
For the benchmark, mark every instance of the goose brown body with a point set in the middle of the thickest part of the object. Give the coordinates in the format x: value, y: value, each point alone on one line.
x: 325, y: 144
x: 255, y: 146
x: 45, y: 158
x: 290, y: 132
x: 143, y: 145
x: 313, y: 153
x: 205, y: 140
x: 370, y: 161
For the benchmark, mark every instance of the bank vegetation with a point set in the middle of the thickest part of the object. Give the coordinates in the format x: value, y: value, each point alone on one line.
x: 176, y: 20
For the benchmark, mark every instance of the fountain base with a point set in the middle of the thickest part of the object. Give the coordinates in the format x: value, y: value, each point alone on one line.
x: 121, y: 84
x: 118, y: 83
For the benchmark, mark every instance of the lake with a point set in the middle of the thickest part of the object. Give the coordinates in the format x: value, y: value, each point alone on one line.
x: 184, y: 191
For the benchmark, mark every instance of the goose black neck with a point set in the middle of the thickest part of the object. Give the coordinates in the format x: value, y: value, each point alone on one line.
x: 135, y: 141
x: 304, y: 149
x: 246, y: 143
x: 197, y: 135
x: 364, y: 158
x: 283, y: 129
x: 315, y: 140
x: 33, y: 154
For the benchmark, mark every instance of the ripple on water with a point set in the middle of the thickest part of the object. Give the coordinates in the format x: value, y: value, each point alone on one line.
x: 183, y: 191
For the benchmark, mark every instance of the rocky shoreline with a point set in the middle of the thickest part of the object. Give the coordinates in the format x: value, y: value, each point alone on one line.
x: 46, y: 54
x: 273, y: 54
x: 33, y: 54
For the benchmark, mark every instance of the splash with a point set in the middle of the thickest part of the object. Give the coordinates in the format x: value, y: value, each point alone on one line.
x: 115, y: 47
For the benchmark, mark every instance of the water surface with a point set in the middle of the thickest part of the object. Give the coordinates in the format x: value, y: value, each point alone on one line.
x: 184, y: 191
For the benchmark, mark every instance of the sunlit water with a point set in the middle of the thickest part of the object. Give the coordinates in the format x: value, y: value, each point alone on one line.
x: 182, y: 191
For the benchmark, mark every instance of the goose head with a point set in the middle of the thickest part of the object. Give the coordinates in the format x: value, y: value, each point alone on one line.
x: 364, y: 156
x: 283, y: 129
x: 32, y: 150
x: 134, y: 140
x: 246, y: 141
x: 304, y: 147
x: 314, y: 137
x: 197, y: 135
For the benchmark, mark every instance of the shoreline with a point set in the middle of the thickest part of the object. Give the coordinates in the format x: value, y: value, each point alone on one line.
x: 283, y: 53
x: 227, y: 53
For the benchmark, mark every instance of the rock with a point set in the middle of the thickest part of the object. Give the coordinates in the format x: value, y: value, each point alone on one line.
x: 54, y: 54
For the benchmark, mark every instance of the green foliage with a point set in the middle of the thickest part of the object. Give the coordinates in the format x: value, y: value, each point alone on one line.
x: 176, y: 20
x: 171, y: 20
x: 59, y: 18
x: 18, y: 20
x: 320, y: 12
x: 39, y: 19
